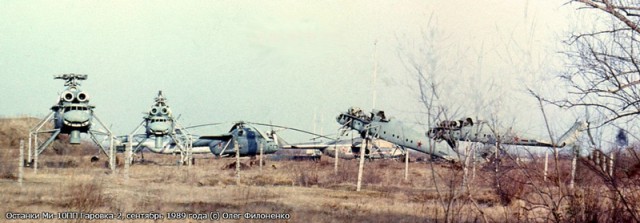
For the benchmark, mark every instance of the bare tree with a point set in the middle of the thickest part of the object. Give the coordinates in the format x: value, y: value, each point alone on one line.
x: 603, y: 63
x: 429, y: 66
x: 424, y: 68
x: 603, y: 76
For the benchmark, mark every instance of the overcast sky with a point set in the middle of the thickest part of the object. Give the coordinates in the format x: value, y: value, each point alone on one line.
x: 281, y: 61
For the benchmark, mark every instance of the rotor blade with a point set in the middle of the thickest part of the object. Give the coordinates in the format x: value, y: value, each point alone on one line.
x: 204, y: 125
x: 225, y: 137
x: 259, y: 132
x: 295, y: 129
x: 142, y: 135
x: 323, y: 136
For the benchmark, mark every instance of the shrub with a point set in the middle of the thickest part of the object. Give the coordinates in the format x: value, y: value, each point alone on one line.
x: 87, y: 197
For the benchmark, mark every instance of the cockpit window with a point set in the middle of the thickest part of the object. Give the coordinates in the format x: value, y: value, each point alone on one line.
x: 158, y: 120
x: 75, y: 108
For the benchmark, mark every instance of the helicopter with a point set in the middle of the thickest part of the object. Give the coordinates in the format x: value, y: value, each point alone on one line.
x: 250, y: 141
x: 247, y: 137
x: 479, y: 131
x: 71, y: 115
x: 161, y: 126
x: 350, y: 148
x: 378, y: 126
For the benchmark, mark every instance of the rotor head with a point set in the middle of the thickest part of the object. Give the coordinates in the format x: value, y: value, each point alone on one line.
x: 72, y: 79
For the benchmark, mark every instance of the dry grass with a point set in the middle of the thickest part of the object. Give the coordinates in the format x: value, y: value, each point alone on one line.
x: 308, y: 191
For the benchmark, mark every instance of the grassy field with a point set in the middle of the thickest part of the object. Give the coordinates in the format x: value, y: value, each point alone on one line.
x: 302, y: 191
x: 307, y: 191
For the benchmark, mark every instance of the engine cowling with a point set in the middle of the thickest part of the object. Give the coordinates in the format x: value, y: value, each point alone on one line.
x: 82, y: 97
x: 68, y: 96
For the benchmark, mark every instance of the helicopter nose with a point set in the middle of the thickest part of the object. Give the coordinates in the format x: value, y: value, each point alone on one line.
x: 77, y: 117
x: 159, y: 127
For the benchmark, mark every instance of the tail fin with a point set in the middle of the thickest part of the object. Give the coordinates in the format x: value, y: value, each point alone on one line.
x: 571, y: 136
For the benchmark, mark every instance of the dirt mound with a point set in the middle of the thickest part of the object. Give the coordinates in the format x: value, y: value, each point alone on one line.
x: 14, y: 129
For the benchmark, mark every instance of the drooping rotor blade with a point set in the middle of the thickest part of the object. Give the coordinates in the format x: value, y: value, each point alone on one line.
x: 323, y: 136
x: 204, y: 125
x: 124, y: 138
x: 309, y: 145
x: 260, y: 132
x: 289, y: 128
x: 224, y: 137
